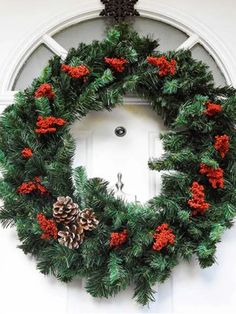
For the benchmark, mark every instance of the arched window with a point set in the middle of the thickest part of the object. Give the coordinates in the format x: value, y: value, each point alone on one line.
x: 174, y: 30
x: 170, y: 38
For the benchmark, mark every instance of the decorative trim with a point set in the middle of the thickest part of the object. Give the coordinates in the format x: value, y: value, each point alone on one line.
x: 91, y: 10
x: 119, y: 10
x: 7, y: 98
x: 54, y: 46
x: 87, y: 138
x: 189, y: 43
x: 135, y: 101
x: 153, y: 138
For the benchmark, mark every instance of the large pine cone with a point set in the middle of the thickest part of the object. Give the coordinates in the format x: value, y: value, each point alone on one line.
x: 72, y: 237
x: 87, y: 219
x: 64, y: 210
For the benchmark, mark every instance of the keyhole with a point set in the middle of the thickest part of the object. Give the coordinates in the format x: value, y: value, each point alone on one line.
x: 120, y: 131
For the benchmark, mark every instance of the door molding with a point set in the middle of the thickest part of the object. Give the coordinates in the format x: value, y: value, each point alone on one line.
x: 197, y: 32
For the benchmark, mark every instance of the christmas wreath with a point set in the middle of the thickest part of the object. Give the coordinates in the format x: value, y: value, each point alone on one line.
x: 75, y: 226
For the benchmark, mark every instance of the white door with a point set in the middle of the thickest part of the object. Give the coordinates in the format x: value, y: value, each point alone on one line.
x: 104, y: 154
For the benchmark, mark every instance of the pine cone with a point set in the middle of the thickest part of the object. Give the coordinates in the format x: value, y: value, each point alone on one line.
x: 72, y: 237
x: 64, y: 210
x: 87, y: 219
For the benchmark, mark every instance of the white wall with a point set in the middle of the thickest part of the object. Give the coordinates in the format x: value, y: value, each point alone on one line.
x: 190, y: 290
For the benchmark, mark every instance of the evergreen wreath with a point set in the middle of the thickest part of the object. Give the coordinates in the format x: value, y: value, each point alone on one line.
x: 74, y: 226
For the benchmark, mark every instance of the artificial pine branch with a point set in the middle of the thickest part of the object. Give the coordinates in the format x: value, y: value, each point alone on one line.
x: 120, y: 250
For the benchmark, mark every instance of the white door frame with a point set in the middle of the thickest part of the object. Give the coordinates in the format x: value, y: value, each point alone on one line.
x: 197, y: 32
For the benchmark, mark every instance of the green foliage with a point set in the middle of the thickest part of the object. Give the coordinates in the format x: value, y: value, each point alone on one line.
x: 80, y: 182
x: 180, y: 100
x: 59, y: 261
x: 170, y: 87
x: 117, y: 273
x: 7, y: 217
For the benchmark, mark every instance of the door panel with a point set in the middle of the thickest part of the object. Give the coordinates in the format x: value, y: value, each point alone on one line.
x: 210, y: 290
x: 105, y: 154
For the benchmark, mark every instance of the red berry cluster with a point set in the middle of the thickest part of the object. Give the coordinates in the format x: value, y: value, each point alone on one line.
x: 48, y: 124
x: 116, y: 63
x: 27, y: 152
x: 212, y: 109
x: 215, y: 175
x: 165, y: 67
x: 197, y: 202
x: 75, y: 72
x: 163, y: 236
x: 32, y: 186
x: 118, y: 238
x: 48, y: 226
x: 45, y: 90
x: 222, y: 144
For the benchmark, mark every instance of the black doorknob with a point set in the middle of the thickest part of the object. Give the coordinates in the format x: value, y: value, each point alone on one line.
x: 120, y: 131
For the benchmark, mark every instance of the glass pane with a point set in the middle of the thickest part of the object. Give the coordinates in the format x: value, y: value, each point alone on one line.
x: 86, y: 32
x: 170, y: 37
x: 200, y: 53
x: 32, y: 67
